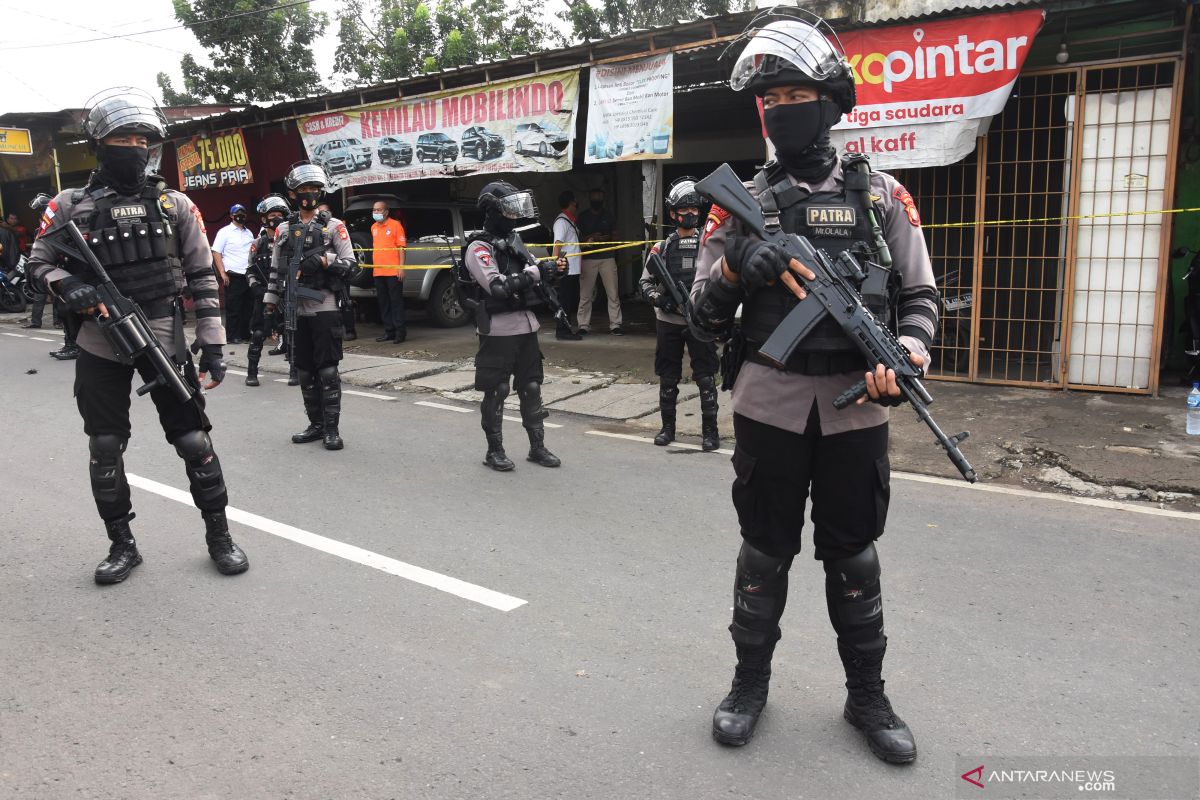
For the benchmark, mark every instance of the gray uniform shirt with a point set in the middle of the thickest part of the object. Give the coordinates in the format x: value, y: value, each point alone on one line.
x: 336, y: 241
x: 783, y: 399
x: 481, y: 262
x: 193, y: 251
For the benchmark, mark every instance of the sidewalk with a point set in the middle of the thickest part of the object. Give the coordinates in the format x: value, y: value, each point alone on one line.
x: 1099, y: 445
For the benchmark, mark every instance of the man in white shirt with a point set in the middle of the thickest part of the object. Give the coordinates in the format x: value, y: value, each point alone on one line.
x: 231, y: 255
x: 566, y: 243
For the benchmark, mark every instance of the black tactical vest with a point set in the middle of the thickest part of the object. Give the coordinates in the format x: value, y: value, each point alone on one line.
x: 311, y: 237
x: 261, y: 263
x: 831, y: 222
x: 679, y: 254
x: 134, y: 238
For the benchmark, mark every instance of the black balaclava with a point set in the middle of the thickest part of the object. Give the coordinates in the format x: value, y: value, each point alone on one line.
x: 800, y: 133
x: 496, y: 223
x: 122, y: 168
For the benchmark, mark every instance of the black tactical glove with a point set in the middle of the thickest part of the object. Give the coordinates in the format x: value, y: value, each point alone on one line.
x: 211, y: 362
x: 76, y: 294
x: 757, y: 262
x: 517, y: 282
x: 311, y: 265
x: 548, y: 268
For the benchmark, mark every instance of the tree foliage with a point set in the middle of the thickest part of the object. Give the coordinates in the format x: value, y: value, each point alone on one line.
x: 264, y: 53
x: 614, y: 17
x: 384, y: 40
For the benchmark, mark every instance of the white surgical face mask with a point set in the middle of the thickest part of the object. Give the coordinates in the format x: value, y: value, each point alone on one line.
x: 378, y: 217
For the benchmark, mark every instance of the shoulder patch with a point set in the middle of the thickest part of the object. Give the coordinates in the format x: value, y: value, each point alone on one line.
x: 910, y: 208
x: 341, y: 231
x: 483, y: 253
x: 199, y: 219
x: 47, y: 218
x: 717, y: 217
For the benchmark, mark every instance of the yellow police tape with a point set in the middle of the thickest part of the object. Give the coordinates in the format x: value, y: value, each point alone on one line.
x: 625, y: 244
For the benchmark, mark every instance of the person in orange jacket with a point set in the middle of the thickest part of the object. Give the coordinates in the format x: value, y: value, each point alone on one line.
x: 387, y: 258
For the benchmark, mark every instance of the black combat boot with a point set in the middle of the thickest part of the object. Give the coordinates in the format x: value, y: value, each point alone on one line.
x: 123, y: 554
x: 253, y: 356
x: 221, y: 549
x: 710, y: 437
x: 68, y: 352
x: 311, y: 393
x: 668, y: 394
x: 252, y: 376
x: 538, y: 453
x: 293, y: 376
x: 331, y: 407
x: 737, y: 716
x: 491, y: 410
x: 868, y: 708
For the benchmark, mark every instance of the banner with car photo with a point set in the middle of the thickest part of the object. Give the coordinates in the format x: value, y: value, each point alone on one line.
x: 525, y: 125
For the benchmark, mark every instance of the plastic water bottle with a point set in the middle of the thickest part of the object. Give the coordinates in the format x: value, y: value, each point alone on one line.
x: 1193, y: 417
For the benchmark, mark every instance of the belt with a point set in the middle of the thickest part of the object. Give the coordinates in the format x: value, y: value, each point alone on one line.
x: 812, y: 363
x: 158, y: 309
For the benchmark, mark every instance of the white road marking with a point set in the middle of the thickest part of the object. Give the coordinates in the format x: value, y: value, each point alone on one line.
x: 40, y: 339
x: 442, y: 406
x: 547, y: 424
x: 18, y: 335
x: 425, y: 577
x: 980, y: 487
x: 232, y: 371
x: 281, y: 380
x: 367, y: 394
x: 650, y: 439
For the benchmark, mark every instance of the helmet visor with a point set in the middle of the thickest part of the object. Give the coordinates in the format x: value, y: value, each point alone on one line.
x: 518, y: 206
x: 792, y: 43
x: 124, y: 109
x: 302, y: 174
x: 683, y: 194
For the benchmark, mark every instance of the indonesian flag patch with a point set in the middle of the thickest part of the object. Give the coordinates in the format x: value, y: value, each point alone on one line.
x: 47, y: 217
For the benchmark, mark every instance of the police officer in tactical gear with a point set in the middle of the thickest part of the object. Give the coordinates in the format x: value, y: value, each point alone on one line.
x: 150, y: 240
x: 508, y: 347
x: 313, y: 249
x: 678, y: 254
x: 791, y: 442
x: 273, y: 210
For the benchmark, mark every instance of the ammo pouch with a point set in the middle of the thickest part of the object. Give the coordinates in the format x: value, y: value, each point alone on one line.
x: 733, y: 355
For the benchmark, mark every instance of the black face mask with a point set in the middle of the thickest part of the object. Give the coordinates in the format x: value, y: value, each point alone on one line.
x: 240, y: 220
x: 122, y: 168
x: 687, y: 220
x: 800, y: 133
x: 273, y: 222
x: 308, y: 200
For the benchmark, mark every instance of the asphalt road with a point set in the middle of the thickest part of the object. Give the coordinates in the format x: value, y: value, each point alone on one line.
x: 1018, y: 625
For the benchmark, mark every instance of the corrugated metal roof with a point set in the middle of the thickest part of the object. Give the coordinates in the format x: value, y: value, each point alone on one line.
x: 892, y: 10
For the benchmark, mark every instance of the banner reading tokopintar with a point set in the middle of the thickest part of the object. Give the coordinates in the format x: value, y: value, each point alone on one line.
x: 525, y: 125
x: 630, y: 110
x: 925, y: 92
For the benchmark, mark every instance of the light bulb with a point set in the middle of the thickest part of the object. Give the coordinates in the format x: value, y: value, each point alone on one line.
x: 1062, y: 56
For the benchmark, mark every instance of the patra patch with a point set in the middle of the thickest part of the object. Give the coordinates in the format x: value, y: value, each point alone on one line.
x: 831, y: 216
x: 133, y: 211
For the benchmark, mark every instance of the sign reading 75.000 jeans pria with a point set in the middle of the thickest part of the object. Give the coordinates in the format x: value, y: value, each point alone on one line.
x: 210, y: 161
x: 525, y: 125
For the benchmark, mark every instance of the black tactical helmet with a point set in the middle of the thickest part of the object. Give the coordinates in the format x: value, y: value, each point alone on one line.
x: 304, y: 172
x: 502, y: 199
x: 788, y: 46
x: 682, y: 194
x: 273, y: 202
x: 124, y: 109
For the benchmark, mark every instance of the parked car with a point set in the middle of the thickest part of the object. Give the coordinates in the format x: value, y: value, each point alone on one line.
x: 481, y: 144
x: 395, y: 152
x: 340, y: 155
x: 436, y: 147
x: 541, y: 138
x: 440, y: 227
x: 362, y: 153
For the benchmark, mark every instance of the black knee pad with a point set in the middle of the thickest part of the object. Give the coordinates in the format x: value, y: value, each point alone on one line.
x: 706, y: 383
x: 855, y: 600
x: 308, y: 380
x: 203, y: 469
x: 257, y: 337
x: 106, y: 467
x: 759, y: 596
x: 530, y: 389
x: 329, y: 378
x: 497, y: 394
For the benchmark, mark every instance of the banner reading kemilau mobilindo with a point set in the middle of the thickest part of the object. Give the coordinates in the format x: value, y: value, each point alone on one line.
x: 211, y: 161
x: 630, y: 110
x: 525, y: 125
x: 925, y: 92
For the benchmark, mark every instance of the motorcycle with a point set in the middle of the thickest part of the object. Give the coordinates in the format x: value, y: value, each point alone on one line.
x: 12, y: 298
x: 952, y: 347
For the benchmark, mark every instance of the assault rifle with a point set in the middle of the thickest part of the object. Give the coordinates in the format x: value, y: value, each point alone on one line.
x: 836, y: 295
x: 542, y: 288
x: 292, y: 291
x: 677, y: 291
x: 126, y: 327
